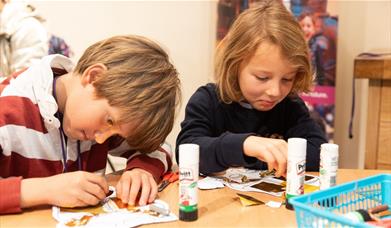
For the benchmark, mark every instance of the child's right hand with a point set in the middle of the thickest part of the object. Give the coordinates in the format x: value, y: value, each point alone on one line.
x: 74, y: 189
x: 272, y: 151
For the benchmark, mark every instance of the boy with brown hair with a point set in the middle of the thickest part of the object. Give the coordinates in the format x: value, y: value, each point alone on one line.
x: 58, y: 123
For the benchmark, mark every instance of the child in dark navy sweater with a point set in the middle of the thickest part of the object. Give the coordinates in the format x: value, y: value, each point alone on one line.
x: 247, y: 115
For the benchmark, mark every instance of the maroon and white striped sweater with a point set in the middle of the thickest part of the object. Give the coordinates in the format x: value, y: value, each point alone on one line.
x: 30, y: 143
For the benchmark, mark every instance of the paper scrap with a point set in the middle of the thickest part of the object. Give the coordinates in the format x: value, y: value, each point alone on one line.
x: 112, y: 214
x: 249, y: 200
x: 310, y: 188
x: 274, y: 204
x: 210, y: 183
x: 243, y: 179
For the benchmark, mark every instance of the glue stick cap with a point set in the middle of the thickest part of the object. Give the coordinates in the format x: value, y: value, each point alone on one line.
x: 297, y: 147
x: 189, y: 154
x: 329, y: 148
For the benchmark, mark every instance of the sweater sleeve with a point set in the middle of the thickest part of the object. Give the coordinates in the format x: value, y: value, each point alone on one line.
x: 303, y: 126
x: 10, y: 195
x: 157, y: 162
x: 218, y: 151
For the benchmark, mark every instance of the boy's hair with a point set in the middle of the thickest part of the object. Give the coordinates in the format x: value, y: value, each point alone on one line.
x: 141, y: 82
x: 270, y: 22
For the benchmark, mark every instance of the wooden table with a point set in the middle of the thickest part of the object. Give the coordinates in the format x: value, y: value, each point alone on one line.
x: 218, y: 207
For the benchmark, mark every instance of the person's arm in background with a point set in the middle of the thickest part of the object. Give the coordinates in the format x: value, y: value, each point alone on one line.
x: 29, y: 44
x: 26, y: 36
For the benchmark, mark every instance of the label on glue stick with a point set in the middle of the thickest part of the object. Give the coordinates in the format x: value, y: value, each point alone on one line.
x: 295, y: 178
x: 297, y: 149
x: 328, y: 165
x: 188, y: 197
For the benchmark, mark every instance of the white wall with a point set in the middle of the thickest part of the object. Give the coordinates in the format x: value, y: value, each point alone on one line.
x: 185, y: 28
x: 363, y: 26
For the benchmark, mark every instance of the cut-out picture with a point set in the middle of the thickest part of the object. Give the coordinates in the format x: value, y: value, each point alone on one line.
x: 307, y: 177
x: 268, y: 187
x: 95, y: 210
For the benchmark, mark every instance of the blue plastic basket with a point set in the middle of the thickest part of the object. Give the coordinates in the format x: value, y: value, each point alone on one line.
x: 325, y: 208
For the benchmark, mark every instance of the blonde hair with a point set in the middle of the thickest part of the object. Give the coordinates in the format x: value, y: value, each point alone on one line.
x: 268, y: 21
x: 141, y: 82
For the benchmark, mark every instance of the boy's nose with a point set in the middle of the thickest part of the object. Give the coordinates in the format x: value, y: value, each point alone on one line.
x: 102, y: 135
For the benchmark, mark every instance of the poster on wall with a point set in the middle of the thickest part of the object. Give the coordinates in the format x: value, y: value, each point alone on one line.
x: 227, y: 11
x: 320, y: 30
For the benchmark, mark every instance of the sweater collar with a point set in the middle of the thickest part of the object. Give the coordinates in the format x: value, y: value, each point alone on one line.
x: 245, y: 105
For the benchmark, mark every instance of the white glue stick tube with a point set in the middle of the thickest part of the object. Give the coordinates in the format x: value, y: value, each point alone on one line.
x: 297, y: 150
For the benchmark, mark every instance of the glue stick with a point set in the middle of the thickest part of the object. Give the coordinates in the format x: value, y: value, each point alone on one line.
x: 188, y: 177
x: 328, y: 165
x: 297, y: 150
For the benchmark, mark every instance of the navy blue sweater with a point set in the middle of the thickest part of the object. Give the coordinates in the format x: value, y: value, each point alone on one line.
x: 220, y: 130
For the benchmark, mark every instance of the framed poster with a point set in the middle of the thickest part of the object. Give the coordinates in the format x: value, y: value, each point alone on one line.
x: 320, y: 31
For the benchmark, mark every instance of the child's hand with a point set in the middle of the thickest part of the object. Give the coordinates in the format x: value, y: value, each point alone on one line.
x: 272, y: 151
x: 134, y: 182
x: 74, y: 189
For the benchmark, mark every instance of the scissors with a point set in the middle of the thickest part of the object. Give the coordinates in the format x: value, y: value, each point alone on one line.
x: 168, y: 178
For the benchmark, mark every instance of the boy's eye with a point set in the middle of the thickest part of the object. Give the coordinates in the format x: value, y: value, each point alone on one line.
x: 110, y: 121
x: 288, y: 79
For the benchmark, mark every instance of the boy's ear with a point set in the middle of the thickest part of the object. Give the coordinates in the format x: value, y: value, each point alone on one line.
x: 92, y: 73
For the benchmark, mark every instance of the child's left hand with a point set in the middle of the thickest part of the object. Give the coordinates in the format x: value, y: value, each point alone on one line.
x: 134, y: 183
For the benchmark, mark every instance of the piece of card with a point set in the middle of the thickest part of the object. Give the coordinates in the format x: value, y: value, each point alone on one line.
x: 249, y: 200
x: 274, y: 204
x: 311, y: 180
x: 310, y: 188
x: 111, y: 212
x: 242, y: 179
x: 268, y: 187
x: 210, y: 183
